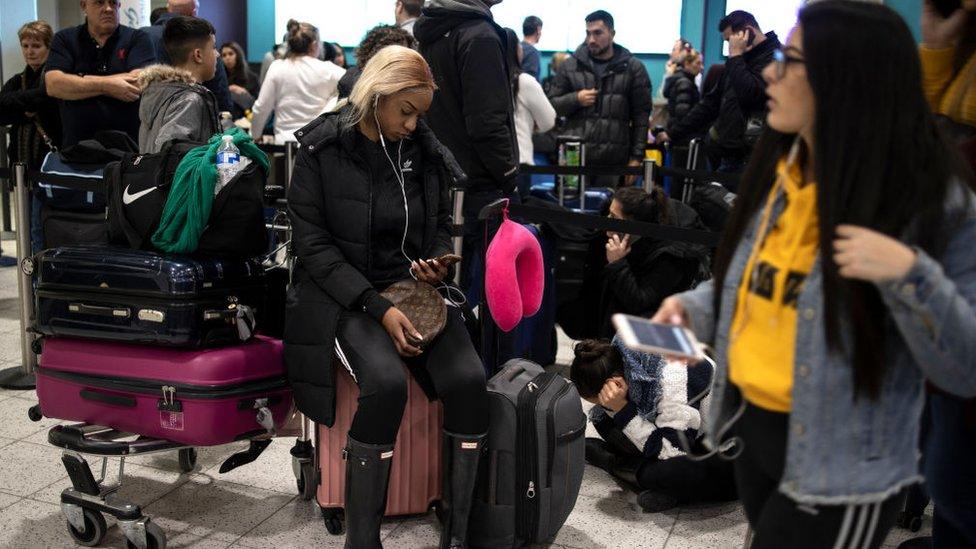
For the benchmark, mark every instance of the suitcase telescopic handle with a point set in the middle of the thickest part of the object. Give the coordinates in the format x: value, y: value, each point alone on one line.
x: 114, y: 312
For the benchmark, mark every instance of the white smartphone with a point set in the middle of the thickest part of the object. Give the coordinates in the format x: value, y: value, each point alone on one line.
x: 659, y: 339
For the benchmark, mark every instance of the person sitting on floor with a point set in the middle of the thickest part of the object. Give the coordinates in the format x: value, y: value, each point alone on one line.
x: 631, y: 274
x: 174, y: 103
x: 642, y: 403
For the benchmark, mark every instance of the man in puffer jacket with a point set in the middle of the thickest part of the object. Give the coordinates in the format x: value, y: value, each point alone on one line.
x: 174, y: 103
x: 605, y: 94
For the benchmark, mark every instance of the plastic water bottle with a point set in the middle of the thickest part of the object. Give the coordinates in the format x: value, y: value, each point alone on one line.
x: 228, y: 162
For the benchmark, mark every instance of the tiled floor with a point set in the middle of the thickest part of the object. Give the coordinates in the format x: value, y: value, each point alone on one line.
x: 257, y: 506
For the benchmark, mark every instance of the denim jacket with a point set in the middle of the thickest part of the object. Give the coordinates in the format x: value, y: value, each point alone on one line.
x: 843, y: 450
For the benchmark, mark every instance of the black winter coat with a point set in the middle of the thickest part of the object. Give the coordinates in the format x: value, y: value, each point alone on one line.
x: 329, y: 202
x: 637, y: 284
x: 18, y: 99
x: 473, y: 109
x: 739, y: 95
x: 682, y: 95
x: 615, y: 128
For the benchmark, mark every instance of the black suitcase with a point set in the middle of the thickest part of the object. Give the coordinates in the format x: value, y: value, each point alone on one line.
x: 146, y: 297
x: 531, y: 476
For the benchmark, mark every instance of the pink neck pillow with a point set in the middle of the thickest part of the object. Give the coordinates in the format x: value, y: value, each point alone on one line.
x: 514, y: 277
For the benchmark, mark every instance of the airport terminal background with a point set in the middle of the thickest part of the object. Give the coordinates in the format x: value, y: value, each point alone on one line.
x: 257, y: 506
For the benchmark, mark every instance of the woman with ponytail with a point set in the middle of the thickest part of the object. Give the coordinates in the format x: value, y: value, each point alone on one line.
x: 845, y: 277
x: 643, y: 405
x: 633, y: 275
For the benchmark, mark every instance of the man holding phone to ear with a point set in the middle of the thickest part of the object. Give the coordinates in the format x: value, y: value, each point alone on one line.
x: 733, y: 112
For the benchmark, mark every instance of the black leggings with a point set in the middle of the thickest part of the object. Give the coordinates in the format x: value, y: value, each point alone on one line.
x: 451, y: 362
x: 778, y: 521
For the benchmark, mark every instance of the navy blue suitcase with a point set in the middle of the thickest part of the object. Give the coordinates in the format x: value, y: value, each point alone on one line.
x: 597, y: 198
x: 146, y: 297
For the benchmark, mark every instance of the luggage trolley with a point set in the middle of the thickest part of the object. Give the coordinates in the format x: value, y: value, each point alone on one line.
x: 89, y: 498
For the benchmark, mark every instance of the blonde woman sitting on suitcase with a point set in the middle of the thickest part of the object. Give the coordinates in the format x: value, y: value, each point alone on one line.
x: 370, y: 206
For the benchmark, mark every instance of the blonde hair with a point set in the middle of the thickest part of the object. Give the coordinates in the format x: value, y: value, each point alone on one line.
x: 38, y: 30
x: 391, y: 70
x: 690, y: 57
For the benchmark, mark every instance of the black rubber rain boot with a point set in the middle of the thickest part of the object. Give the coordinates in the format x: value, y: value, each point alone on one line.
x: 461, y: 455
x: 367, y: 478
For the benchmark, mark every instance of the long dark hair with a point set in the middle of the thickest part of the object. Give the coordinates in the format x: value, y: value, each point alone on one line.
x: 514, y: 68
x: 239, y: 74
x: 640, y: 205
x: 878, y: 160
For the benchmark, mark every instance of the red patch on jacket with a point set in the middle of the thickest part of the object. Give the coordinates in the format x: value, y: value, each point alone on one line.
x: 122, y: 54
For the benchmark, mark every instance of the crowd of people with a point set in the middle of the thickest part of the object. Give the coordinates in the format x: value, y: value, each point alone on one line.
x: 839, y: 303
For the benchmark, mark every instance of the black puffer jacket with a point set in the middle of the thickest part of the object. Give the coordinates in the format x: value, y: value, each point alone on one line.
x: 329, y: 203
x: 615, y: 127
x: 24, y: 93
x: 472, y: 112
x: 636, y: 285
x: 682, y: 95
x: 739, y: 95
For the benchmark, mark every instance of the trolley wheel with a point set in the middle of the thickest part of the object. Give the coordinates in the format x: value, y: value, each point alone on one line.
x: 34, y: 413
x: 306, y: 481
x: 188, y: 459
x: 333, y: 520
x: 155, y: 538
x: 94, y: 529
x: 37, y: 345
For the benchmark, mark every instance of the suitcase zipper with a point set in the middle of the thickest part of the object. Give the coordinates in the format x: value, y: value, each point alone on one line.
x: 152, y: 387
x: 527, y: 461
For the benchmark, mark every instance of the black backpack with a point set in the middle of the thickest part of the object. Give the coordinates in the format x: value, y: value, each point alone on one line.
x: 139, y: 185
x: 713, y: 202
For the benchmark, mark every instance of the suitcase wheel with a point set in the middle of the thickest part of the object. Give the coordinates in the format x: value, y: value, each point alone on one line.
x: 333, y: 520
x: 94, y: 529
x: 915, y: 524
x: 155, y: 538
x: 34, y: 413
x: 188, y: 459
x: 306, y: 481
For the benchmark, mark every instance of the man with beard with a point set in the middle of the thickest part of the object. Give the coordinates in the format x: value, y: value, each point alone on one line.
x: 605, y: 94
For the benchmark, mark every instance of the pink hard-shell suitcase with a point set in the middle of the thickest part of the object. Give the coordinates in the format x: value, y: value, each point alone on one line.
x: 415, y: 474
x: 198, y: 397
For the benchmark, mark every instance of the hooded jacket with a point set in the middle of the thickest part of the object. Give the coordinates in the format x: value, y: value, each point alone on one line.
x: 173, y: 106
x: 330, y: 207
x: 615, y: 128
x: 682, y: 95
x: 473, y: 108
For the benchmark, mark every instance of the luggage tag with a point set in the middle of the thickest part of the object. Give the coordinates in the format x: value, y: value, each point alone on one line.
x: 170, y: 410
x: 245, y: 322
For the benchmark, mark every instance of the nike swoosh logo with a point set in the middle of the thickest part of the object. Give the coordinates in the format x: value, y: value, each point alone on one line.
x: 130, y: 198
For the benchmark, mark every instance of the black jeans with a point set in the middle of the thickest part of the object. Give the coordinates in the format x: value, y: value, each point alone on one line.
x: 949, y: 471
x: 686, y: 480
x: 778, y: 521
x: 450, y: 361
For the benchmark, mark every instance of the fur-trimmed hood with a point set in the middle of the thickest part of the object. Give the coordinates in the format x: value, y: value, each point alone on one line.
x: 154, y: 74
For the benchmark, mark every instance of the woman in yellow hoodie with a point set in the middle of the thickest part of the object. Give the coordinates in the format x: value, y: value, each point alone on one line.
x: 845, y: 277
x: 948, y: 55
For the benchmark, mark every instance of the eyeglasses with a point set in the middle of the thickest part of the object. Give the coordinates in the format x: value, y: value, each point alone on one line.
x: 781, y: 60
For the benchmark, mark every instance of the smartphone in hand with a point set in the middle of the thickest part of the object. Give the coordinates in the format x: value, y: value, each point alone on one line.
x: 660, y: 339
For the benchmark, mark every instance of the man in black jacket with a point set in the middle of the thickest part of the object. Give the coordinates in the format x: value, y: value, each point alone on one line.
x: 605, y: 94
x: 733, y: 113
x: 472, y: 112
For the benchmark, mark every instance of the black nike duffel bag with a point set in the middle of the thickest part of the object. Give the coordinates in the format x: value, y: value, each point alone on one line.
x: 139, y: 185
